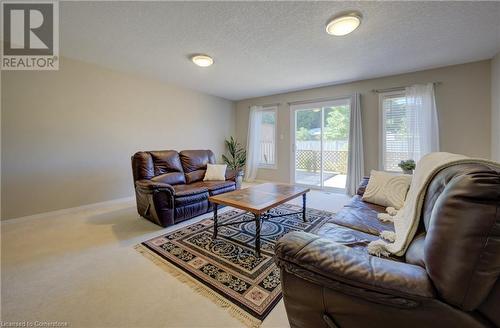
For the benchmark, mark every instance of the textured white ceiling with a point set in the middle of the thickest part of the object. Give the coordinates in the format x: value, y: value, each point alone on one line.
x: 263, y: 48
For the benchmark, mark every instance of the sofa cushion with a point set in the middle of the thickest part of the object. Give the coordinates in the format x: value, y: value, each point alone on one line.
x: 188, y: 211
x: 189, y: 194
x: 194, y: 176
x: 166, y: 161
x: 349, y: 237
x: 387, y: 189
x: 194, y: 163
x: 362, y: 216
x: 142, y: 166
x: 172, y: 178
x: 193, y: 160
x: 216, y: 187
x: 215, y: 172
x: 344, y: 235
x: 189, y: 189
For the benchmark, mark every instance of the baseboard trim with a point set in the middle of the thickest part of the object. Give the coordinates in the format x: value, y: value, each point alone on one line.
x: 69, y: 210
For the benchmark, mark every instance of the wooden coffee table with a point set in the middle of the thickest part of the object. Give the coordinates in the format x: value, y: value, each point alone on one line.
x: 258, y: 200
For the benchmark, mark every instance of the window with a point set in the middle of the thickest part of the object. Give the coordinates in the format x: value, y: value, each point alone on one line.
x: 267, y: 154
x: 397, y: 142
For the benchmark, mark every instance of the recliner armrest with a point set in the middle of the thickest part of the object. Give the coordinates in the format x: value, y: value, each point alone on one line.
x: 362, y: 186
x: 231, y: 174
x: 351, y: 271
x: 150, y: 186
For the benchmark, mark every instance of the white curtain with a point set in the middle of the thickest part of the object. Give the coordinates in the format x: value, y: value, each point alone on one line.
x: 355, y: 157
x: 253, y: 142
x: 421, y: 115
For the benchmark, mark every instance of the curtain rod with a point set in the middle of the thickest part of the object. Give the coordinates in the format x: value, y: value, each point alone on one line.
x: 397, y: 88
x: 301, y: 102
x: 267, y: 105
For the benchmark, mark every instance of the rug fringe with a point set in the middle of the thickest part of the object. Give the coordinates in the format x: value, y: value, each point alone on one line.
x: 233, y: 310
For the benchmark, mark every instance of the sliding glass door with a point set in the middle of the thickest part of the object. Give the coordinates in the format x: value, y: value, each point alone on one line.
x: 321, y: 143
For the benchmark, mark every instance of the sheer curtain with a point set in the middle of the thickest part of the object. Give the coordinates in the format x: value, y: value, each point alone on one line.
x: 422, y: 119
x: 355, y: 157
x: 253, y: 142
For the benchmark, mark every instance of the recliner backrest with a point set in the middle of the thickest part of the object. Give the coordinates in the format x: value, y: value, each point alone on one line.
x: 159, y: 165
x: 461, y: 215
x: 194, y: 163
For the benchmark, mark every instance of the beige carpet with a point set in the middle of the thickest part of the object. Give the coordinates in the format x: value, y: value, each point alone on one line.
x: 81, y: 268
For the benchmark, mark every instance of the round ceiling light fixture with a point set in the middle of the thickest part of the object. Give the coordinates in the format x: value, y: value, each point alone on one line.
x: 343, y: 24
x: 202, y: 60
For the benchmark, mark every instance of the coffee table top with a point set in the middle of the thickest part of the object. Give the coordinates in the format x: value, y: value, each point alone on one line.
x: 260, y: 198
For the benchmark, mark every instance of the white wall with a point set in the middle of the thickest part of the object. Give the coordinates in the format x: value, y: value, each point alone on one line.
x: 67, y: 135
x: 495, y: 108
x: 463, y: 101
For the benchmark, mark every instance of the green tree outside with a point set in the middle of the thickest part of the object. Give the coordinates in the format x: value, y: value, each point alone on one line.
x: 336, y: 124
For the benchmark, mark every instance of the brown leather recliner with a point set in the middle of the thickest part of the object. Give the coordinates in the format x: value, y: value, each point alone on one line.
x: 447, y: 278
x: 169, y: 186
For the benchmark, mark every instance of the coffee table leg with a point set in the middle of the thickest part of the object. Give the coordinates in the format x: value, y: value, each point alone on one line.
x: 304, y: 217
x: 215, y: 221
x: 257, y: 234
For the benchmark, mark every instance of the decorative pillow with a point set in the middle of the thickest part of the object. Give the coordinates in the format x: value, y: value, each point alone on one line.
x: 215, y: 172
x: 387, y: 189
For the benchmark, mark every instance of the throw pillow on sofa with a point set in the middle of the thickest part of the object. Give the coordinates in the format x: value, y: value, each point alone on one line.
x: 387, y: 189
x: 215, y: 172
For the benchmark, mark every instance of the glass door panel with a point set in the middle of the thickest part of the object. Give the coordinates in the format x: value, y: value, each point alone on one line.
x: 335, y: 144
x: 321, y: 144
x: 308, y: 147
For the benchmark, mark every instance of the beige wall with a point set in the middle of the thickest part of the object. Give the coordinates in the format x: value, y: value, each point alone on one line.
x: 463, y: 101
x: 495, y: 108
x: 67, y: 135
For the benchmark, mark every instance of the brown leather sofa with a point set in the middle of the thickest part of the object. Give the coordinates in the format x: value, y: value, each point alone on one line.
x: 447, y: 278
x: 169, y: 186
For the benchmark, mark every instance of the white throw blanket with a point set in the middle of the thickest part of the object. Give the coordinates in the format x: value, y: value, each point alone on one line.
x: 407, y: 218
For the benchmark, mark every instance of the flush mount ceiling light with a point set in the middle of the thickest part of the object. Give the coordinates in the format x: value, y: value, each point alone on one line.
x: 343, y: 24
x: 202, y: 60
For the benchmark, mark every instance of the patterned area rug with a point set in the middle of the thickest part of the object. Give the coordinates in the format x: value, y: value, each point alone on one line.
x: 228, y: 264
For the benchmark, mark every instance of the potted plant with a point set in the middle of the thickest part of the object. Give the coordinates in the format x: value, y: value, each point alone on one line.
x: 407, y: 166
x: 235, y: 160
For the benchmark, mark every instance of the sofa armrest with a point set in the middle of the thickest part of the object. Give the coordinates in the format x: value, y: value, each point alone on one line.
x: 353, y: 272
x: 149, y: 186
x: 362, y: 186
x: 231, y: 174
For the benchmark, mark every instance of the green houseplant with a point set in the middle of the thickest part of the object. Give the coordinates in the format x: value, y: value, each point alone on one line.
x: 235, y: 159
x: 407, y: 166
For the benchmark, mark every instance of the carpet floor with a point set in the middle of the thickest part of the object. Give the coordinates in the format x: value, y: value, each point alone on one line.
x: 79, y: 266
x: 226, y: 269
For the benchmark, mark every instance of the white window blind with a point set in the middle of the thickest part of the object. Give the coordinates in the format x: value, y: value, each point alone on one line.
x: 395, y: 126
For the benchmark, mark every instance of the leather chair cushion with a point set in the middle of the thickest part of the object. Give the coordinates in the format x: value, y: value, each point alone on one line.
x: 222, y: 190
x: 358, y: 202
x: 142, y: 166
x: 194, y: 176
x: 362, y: 216
x: 193, y: 160
x: 188, y: 211
x: 188, y: 194
x: 344, y: 235
x: 172, y: 178
x: 415, y: 253
x: 462, y: 245
x: 166, y: 161
x: 216, y: 187
x: 189, y: 189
